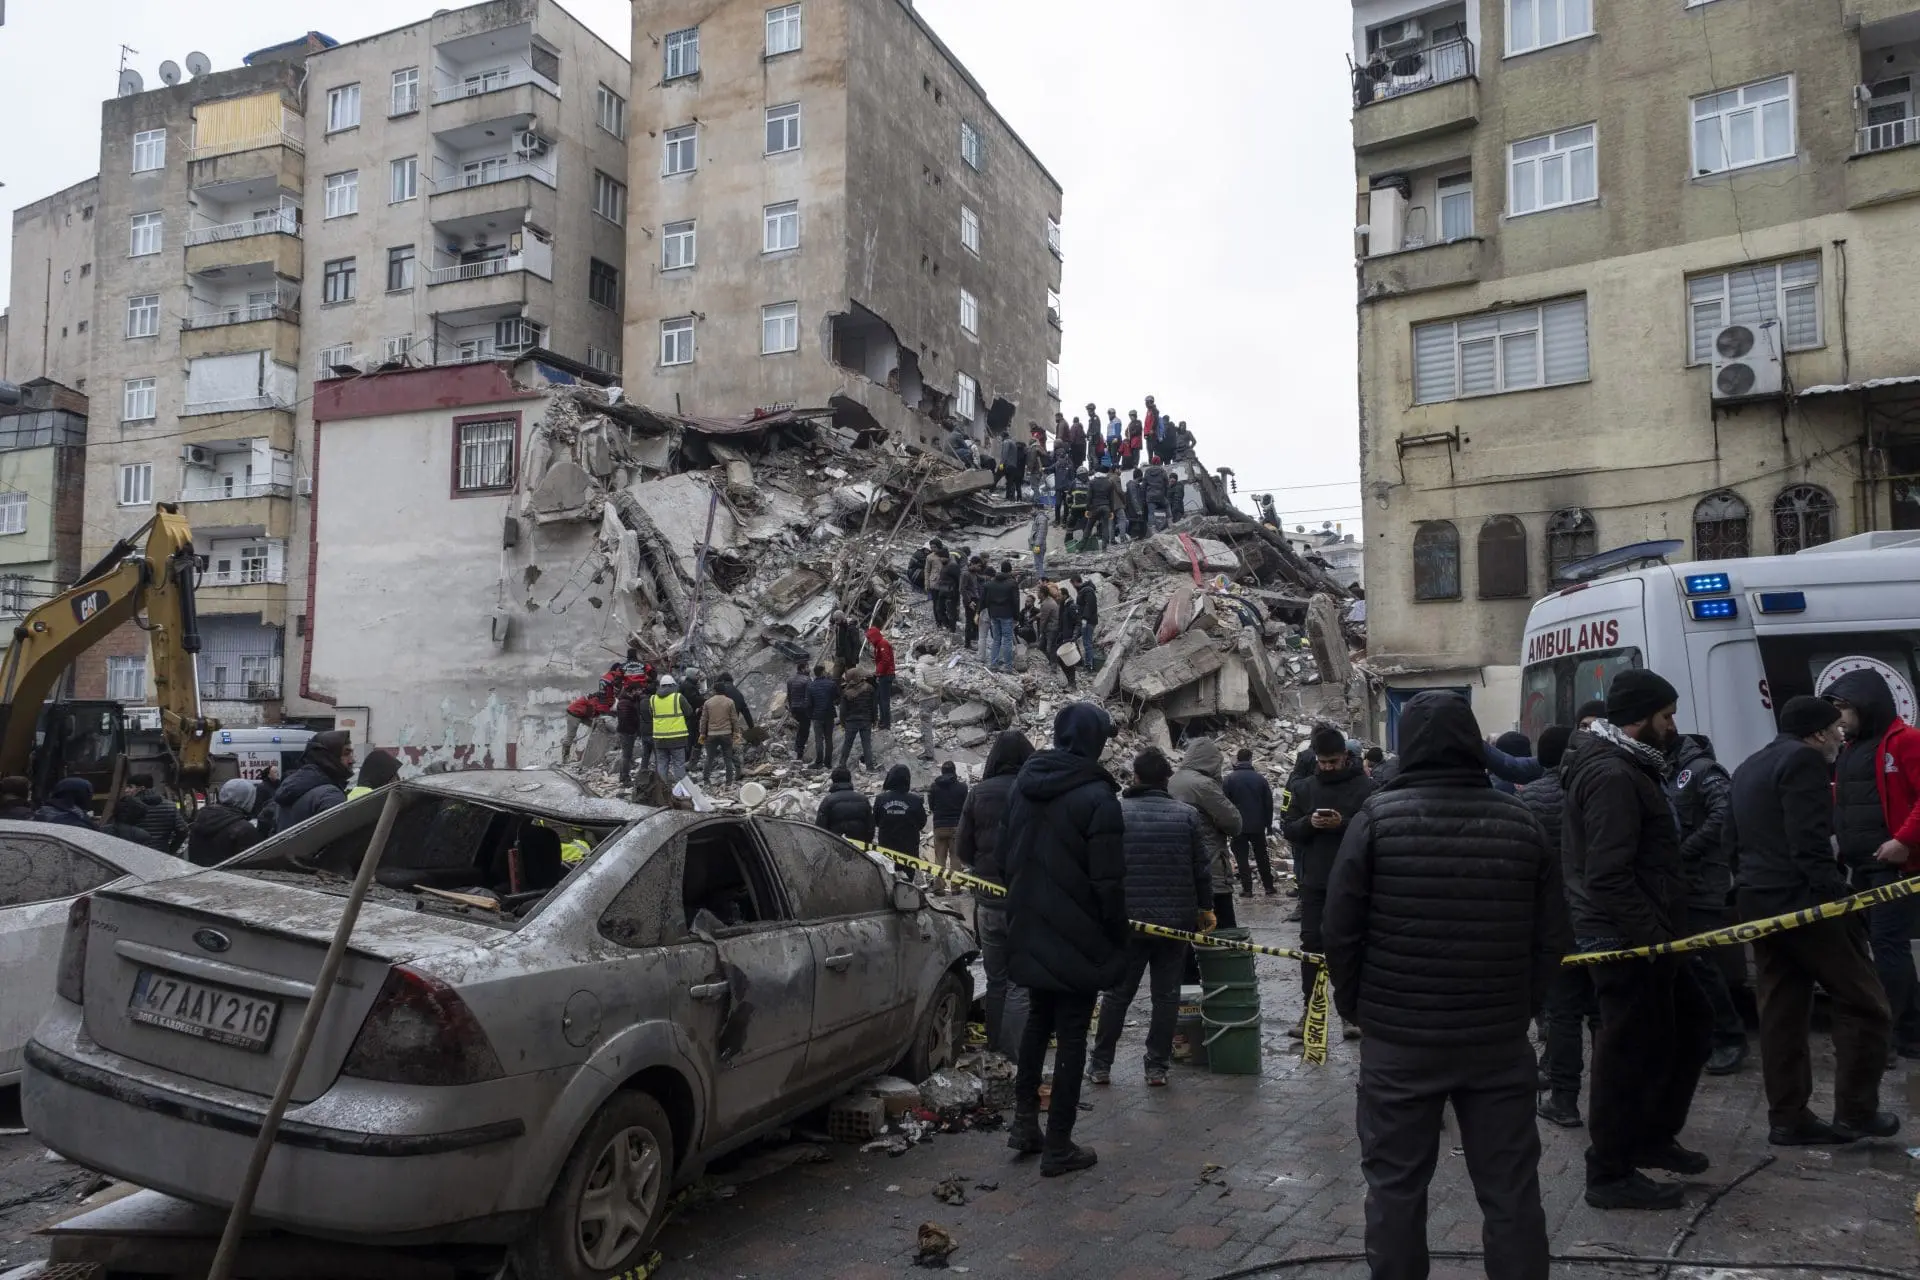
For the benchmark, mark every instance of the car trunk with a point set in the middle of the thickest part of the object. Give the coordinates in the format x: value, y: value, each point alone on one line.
x: 209, y: 975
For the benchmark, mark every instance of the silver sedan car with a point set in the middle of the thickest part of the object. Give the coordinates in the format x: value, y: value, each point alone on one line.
x: 520, y: 1048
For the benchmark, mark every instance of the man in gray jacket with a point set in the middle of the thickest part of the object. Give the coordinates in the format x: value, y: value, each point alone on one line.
x: 1198, y: 783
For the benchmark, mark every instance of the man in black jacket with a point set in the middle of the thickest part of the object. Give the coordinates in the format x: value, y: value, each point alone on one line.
x: 946, y: 600
x: 1445, y: 925
x: 899, y: 815
x: 1700, y: 789
x: 1315, y: 822
x: 1570, y: 1001
x: 1250, y: 792
x: 1625, y: 889
x: 1067, y: 921
x: 856, y: 715
x: 224, y: 827
x: 823, y: 695
x: 1169, y: 882
x: 978, y: 844
x: 1000, y: 597
x: 160, y: 818
x: 800, y: 708
x: 1087, y: 602
x: 1781, y: 828
x: 946, y: 798
x: 317, y: 785
x: 1099, y: 511
x: 844, y: 811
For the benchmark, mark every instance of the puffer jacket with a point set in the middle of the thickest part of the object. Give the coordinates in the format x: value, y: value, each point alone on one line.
x: 800, y: 697
x: 899, y: 815
x: 1877, y: 778
x: 1252, y: 794
x: 845, y: 812
x: 1622, y: 845
x: 1445, y: 920
x: 317, y: 785
x: 946, y: 798
x: 1154, y: 481
x: 162, y: 821
x: 977, y: 842
x: 1314, y: 848
x: 1000, y: 596
x: 1169, y: 872
x: 219, y: 831
x: 1702, y: 794
x: 1780, y: 828
x: 1197, y: 782
x: 856, y: 699
x: 823, y: 695
x: 1546, y: 800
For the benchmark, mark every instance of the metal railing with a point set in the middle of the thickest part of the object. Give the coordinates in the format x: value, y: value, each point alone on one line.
x: 281, y: 223
x: 236, y: 406
x: 1384, y: 77
x: 247, y: 577
x: 476, y: 270
x: 241, y: 313
x: 241, y: 690
x: 1887, y: 136
x: 454, y: 178
x: 221, y: 492
x: 492, y: 82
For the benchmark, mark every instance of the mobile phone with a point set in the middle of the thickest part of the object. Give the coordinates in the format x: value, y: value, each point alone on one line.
x: 1326, y: 813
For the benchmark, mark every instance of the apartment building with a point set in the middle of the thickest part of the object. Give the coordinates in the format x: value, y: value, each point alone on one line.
x: 826, y: 210
x: 43, y: 443
x: 1629, y: 271
x: 49, y: 315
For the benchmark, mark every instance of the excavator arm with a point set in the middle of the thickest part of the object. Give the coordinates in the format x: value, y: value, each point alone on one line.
x: 152, y: 572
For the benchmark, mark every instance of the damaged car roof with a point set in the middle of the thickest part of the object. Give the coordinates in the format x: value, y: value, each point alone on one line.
x: 546, y: 791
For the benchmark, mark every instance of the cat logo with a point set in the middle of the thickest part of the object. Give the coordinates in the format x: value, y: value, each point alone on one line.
x: 85, y: 606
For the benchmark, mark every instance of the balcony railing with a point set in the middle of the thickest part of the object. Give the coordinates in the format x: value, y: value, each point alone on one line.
x: 456, y: 178
x: 222, y: 492
x: 292, y: 126
x: 241, y: 690
x: 492, y: 81
x: 241, y: 313
x: 476, y: 270
x: 282, y: 223
x: 1385, y: 77
x: 237, y: 406
x: 243, y: 577
x: 1887, y: 135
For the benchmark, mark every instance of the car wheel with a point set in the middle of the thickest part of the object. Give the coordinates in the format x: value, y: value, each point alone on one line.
x: 936, y: 1041
x: 610, y: 1199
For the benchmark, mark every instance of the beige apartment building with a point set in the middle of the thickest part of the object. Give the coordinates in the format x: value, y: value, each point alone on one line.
x: 1630, y: 270
x: 827, y: 211
x: 49, y: 316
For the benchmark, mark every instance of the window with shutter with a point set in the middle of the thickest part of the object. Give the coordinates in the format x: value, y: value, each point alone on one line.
x: 1436, y: 561
x: 1503, y: 559
x: 1571, y: 536
x: 1720, y: 527
x: 1788, y: 292
x: 1501, y: 351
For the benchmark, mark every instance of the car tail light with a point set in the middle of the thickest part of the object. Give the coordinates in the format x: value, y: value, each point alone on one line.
x: 71, y: 981
x: 420, y: 1031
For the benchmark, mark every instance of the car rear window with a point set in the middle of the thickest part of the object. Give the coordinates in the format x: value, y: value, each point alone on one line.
x: 33, y: 869
x: 826, y: 876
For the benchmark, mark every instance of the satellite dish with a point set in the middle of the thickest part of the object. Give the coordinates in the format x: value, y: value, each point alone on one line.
x: 198, y: 64
x: 170, y: 72
x: 131, y: 83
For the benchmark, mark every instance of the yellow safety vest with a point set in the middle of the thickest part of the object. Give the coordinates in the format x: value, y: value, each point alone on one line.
x: 669, y: 716
x: 357, y: 792
x: 573, y: 850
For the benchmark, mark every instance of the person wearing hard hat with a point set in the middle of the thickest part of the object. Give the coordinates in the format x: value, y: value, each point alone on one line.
x: 670, y: 715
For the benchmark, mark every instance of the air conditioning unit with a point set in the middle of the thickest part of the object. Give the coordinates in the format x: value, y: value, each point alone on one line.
x: 304, y: 486
x: 528, y: 145
x: 196, y: 456
x: 1746, y: 362
x: 1401, y: 36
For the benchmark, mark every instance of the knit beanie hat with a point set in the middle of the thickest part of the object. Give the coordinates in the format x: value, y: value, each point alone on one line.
x: 1637, y: 695
x: 1805, y: 716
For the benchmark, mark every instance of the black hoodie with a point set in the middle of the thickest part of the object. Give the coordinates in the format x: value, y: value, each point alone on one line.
x: 845, y: 812
x: 899, y: 815
x: 1066, y: 868
x: 318, y: 784
x: 946, y: 798
x: 983, y: 817
x: 1702, y: 794
x: 1859, y: 817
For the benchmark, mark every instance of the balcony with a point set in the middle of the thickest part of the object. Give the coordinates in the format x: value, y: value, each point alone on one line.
x: 1865, y: 13
x: 514, y: 106
x: 1417, y: 270
x: 246, y: 575
x: 240, y: 690
x: 1418, y: 95
x: 463, y: 86
x: 270, y: 158
x: 1885, y: 165
x: 274, y: 426
x: 240, y: 510
x: 282, y: 222
x: 481, y: 270
x: 274, y: 242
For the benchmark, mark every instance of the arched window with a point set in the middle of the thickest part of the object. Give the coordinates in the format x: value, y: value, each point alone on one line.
x: 1436, y: 561
x: 1571, y: 536
x: 1802, y: 518
x: 1720, y: 527
x: 1503, y: 559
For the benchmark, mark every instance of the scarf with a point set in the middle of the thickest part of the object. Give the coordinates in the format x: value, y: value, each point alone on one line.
x: 1648, y: 757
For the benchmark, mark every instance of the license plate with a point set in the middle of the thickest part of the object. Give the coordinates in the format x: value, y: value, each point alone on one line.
x: 196, y: 1009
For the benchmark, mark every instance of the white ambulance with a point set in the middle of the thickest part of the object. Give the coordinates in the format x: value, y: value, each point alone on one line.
x: 1737, y: 638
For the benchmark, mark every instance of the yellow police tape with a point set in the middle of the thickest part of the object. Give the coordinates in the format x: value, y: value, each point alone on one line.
x: 1314, y: 1032
x: 1734, y: 935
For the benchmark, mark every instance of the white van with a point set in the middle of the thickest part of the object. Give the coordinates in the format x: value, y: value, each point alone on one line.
x: 1737, y: 638
x: 257, y: 750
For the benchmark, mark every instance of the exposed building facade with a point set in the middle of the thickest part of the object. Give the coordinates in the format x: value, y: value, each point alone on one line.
x: 1628, y: 271
x: 826, y: 210
x: 49, y: 316
x: 43, y: 449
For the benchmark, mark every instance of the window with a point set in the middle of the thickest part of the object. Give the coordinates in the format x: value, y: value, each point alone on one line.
x: 1551, y: 172
x: 604, y: 361
x: 783, y: 128
x: 86, y: 269
x: 399, y: 268
x: 603, y: 284
x: 970, y: 230
x: 783, y: 29
x: 343, y: 107
x: 682, y: 149
x: 1500, y: 351
x: 403, y: 179
x: 683, y: 53
x: 126, y: 678
x: 1720, y: 527
x: 143, y: 316
x: 1571, y: 537
x: 149, y: 150
x: 1503, y: 559
x: 1749, y: 125
x: 81, y: 327
x: 829, y: 876
x: 406, y: 92
x: 609, y: 198
x: 13, y: 513
x: 779, y: 328
x: 610, y: 111
x: 1535, y: 24
x: 136, y: 484
x: 782, y: 227
x: 145, y: 237
x: 396, y: 348
x: 1802, y: 518
x: 676, y: 340
x: 966, y: 397
x: 485, y: 455
x: 1053, y: 379
x: 1053, y: 235
x: 1788, y: 292
x: 1889, y: 116
x: 516, y: 333
x: 1053, y: 308
x: 1436, y: 561
x: 340, y: 357
x: 338, y: 281
x: 1456, y: 207
x: 970, y: 144
x: 138, y: 402
x: 676, y: 246
x: 343, y: 193
x: 13, y: 594
x: 969, y: 313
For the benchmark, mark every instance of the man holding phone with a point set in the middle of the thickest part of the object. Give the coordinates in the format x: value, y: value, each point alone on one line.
x: 1315, y: 821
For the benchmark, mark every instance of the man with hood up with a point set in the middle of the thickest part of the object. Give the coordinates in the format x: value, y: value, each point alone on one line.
x: 1445, y: 924
x: 1877, y: 818
x: 1197, y: 782
x: 317, y: 785
x: 844, y: 811
x: 69, y: 804
x: 225, y: 827
x: 1067, y: 921
x: 16, y: 799
x: 1700, y: 789
x: 376, y: 771
x: 856, y: 715
x: 899, y: 815
x: 946, y: 800
x: 978, y: 844
x: 1319, y: 808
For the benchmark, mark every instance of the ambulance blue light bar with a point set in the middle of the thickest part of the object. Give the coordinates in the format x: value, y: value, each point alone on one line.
x: 1713, y: 610
x: 1708, y: 584
x: 1783, y: 602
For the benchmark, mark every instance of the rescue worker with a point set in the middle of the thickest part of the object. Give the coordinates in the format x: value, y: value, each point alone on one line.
x: 1099, y: 511
x: 376, y: 771
x: 581, y: 713
x: 856, y: 716
x: 899, y: 814
x: 719, y: 724
x: 799, y: 710
x: 575, y: 847
x: 946, y: 800
x: 883, y: 673
x: 1063, y: 473
x: 844, y: 811
x: 1154, y: 492
x: 1701, y: 792
x: 823, y: 697
x: 1077, y: 499
x: 669, y: 713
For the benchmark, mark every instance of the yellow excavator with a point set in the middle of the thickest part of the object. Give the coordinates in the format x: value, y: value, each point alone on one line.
x: 148, y: 577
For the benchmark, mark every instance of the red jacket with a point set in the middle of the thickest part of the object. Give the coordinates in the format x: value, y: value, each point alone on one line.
x: 1899, y: 779
x: 882, y: 652
x: 593, y: 704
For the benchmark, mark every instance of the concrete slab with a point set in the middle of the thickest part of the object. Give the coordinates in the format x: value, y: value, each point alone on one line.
x: 1215, y: 557
x: 566, y: 487
x: 677, y: 505
x: 957, y: 484
x: 1155, y: 673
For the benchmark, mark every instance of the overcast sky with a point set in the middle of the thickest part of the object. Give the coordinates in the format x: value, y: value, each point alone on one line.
x: 1207, y: 168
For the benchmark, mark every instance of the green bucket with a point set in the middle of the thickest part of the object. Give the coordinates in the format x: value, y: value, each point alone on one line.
x: 1228, y: 996
x: 1220, y: 965
x: 1233, y: 1043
